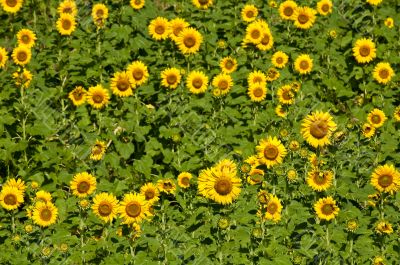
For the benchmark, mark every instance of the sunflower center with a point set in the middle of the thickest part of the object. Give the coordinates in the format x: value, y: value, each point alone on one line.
x: 133, y: 209
x: 138, y: 2
x: 279, y: 60
x: 223, y: 186
x: 367, y: 129
x: 189, y: 42
x: 257, y: 79
x: 384, y: 73
x: 78, y: 95
x: 304, y: 65
x: 303, y: 18
x: 203, y: 2
x: 385, y: 181
x: 272, y: 73
x: 67, y: 10
x: 197, y: 82
x: 255, y: 34
x: 45, y: 215
x: 159, y: 29
x: 258, y: 92
x: 272, y: 208
x: 171, y: 79
x: 271, y: 152
x: 286, y: 95
x: 177, y: 30
x: 66, y: 24
x: 97, y: 98
x: 265, y: 39
x: 100, y: 13
x: 25, y: 39
x: 122, y: 85
x: 223, y: 84
x: 365, y: 51
x: 288, y: 11
x: 137, y: 74
x: 22, y: 56
x: 319, y: 129
x: 229, y: 64
x: 10, y: 199
x: 319, y: 178
x: 376, y: 119
x: 105, y: 209
x: 325, y: 7
x: 11, y: 3
x: 185, y: 181
x: 83, y: 187
x: 149, y: 194
x: 327, y: 209
x: 97, y: 149
x: 249, y: 14
x: 167, y: 185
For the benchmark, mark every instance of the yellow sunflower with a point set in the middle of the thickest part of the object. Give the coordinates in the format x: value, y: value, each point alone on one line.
x: 66, y: 24
x: 97, y: 96
x: 376, y: 118
x: 11, y: 198
x: 17, y: 183
x: 319, y: 180
x: 303, y: 64
x: 176, y: 26
x: 134, y: 208
x: 279, y: 59
x: 197, y: 82
x: 287, y: 10
x: 150, y: 193
x: 285, y: 95
x: 252, y: 161
x: 254, y: 33
x: 386, y: 178
x: 317, y: 128
x: 44, y: 213
x: 223, y: 82
x: 389, y: 22
x: 267, y: 41
x: 255, y: 176
x: 105, y: 206
x: 98, y: 150
x: 364, y: 50
x: 21, y: 55
x: 272, y: 74
x: 189, y: 41
x: 23, y: 79
x: 280, y: 111
x: 137, y: 4
x: 26, y: 37
x: 368, y: 130
x: 43, y: 196
x: 324, y: 7
x: 396, y: 114
x: 99, y: 11
x: 228, y: 65
x: 326, y: 208
x: 202, y: 4
x: 256, y: 77
x: 83, y: 184
x: 272, y: 210
x: 296, y: 86
x: 383, y: 73
x: 78, y: 96
x: 374, y: 2
x: 271, y: 151
x: 166, y: 185
x: 184, y: 180
x: 122, y: 84
x: 11, y: 6
x: 384, y: 227
x: 159, y: 28
x: 171, y: 77
x: 304, y: 17
x: 138, y: 71
x: 3, y: 57
x: 249, y: 13
x: 257, y: 92
x: 67, y: 7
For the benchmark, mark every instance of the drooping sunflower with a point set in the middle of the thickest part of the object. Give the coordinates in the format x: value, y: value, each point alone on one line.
x: 83, y: 184
x: 138, y: 71
x: 364, y: 50
x: 368, y: 130
x: 326, y: 208
x: 252, y: 161
x: 3, y: 57
x: 150, y: 193
x: 228, y: 65
x: 26, y: 37
x: 279, y: 59
x: 11, y: 198
x: 257, y: 92
x: 44, y: 213
x: 202, y: 4
x: 223, y: 82
x: 319, y: 180
x: 285, y: 95
x: 281, y: 111
x: 97, y: 96
x: 376, y: 118
x: 317, y: 128
x: 184, y: 180
x: 324, y: 7
x: 374, y: 2
x: 287, y: 10
x: 272, y: 210
x: 159, y: 28
x: 303, y: 64
x: 386, y: 178
x: 255, y: 176
x: 67, y: 7
x: 11, y: 6
x: 189, y: 40
x: 389, y: 22
x: 176, y: 26
x: 396, y: 114
x: 78, y: 96
x: 171, y: 77
x: 304, y: 17
x: 384, y: 227
x: 271, y: 151
x: 197, y: 82
x: 43, y: 196
x: 256, y: 77
x: 17, y: 183
x: 134, y: 208
x: 23, y: 78
x: 98, y: 150
x: 254, y: 33
x: 272, y: 74
x: 122, y: 84
x: 66, y: 24
x: 137, y: 4
x: 105, y: 206
x: 166, y: 185
x: 383, y: 73
x: 296, y: 86
x: 21, y: 55
x: 249, y: 13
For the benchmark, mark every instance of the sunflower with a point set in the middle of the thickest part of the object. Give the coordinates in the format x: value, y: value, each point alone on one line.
x: 67, y: 7
x: 171, y: 77
x: 376, y: 118
x: 26, y: 37
x: 159, y: 28
x: 280, y: 111
x: 384, y: 227
x: 3, y: 57
x: 294, y: 145
x: 189, y: 41
x: 326, y: 208
x: 386, y: 178
x: 138, y: 71
x: 257, y: 92
x: 364, y: 50
x: 296, y: 86
x: 23, y: 79
x: 98, y: 150
x: 137, y: 4
x: 263, y: 197
x: 122, y: 84
x: 255, y: 176
x: 43, y: 196
x: 83, y: 184
x: 223, y: 82
x: 78, y: 96
x: 11, y: 6
x: 256, y: 77
x: 99, y: 11
x: 21, y: 55
x: 150, y: 193
x: 176, y: 26
x: 66, y: 24
x: 97, y: 96
x: 374, y: 2
x: 303, y: 64
x: 166, y: 185
x: 285, y: 95
x: 304, y: 17
x: 319, y: 180
x: 291, y: 175
x: 105, y: 206
x: 324, y: 7
x: 252, y: 161
x: 11, y: 198
x: 197, y: 82
x: 228, y: 65
x: 389, y: 22
x: 287, y: 10
x: 317, y: 128
x: 44, y: 213
x: 17, y: 183
x: 267, y: 41
x: 134, y: 208
x: 254, y: 33
x: 383, y: 73
x: 272, y: 210
x: 202, y: 4
x: 272, y: 74
x: 279, y: 59
x: 368, y: 130
x: 226, y: 164
x: 249, y: 13
x: 184, y: 180
x: 396, y: 114
x: 271, y: 151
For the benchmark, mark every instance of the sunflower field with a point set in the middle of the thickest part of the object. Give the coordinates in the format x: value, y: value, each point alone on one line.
x: 199, y: 132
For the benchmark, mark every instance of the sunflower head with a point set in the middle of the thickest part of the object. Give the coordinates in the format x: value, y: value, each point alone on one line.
x: 368, y: 130
x: 139, y: 73
x: 166, y: 186
x: 228, y: 65
x: 150, y: 193
x: 176, y: 26
x: 279, y: 59
x: 134, y: 208
x: 281, y: 111
x: 319, y: 180
x: 26, y: 37
x: 389, y: 22
x: 271, y: 210
x: 3, y: 57
x: 324, y: 7
x: 43, y: 196
x: 184, y: 180
x: 249, y: 13
x: 326, y: 208
x: 364, y: 50
x: 44, y: 213
x: 386, y: 178
x: 396, y: 114
x: 78, y: 96
x: 197, y: 82
x: 383, y: 73
x: 189, y: 40
x: 105, y: 206
x: 11, y: 197
x: 97, y: 96
x: 11, y: 6
x: 159, y: 28
x: 383, y: 227
x: 271, y: 151
x: 21, y: 55
x: 287, y: 10
x: 223, y: 82
x: 272, y: 74
x: 317, y: 128
x: 304, y: 17
x: 170, y: 78
x: 66, y: 24
x: 303, y: 64
x: 137, y: 4
x: 202, y: 4
x: 376, y: 118
x: 67, y: 7
x: 83, y: 184
x: 122, y: 84
x: 257, y: 92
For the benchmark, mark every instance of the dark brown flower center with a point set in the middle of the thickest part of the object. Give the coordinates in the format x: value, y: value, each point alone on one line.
x: 385, y: 181
x: 10, y: 199
x: 189, y: 41
x: 83, y: 187
x: 67, y: 10
x: 223, y: 84
x: 197, y: 83
x: 133, y: 209
x: 203, y: 2
x: 22, y: 56
x: 137, y: 74
x: 123, y: 85
x: 319, y: 129
x: 138, y: 2
x: 286, y: 95
x: 78, y: 94
x: 304, y: 65
x: 100, y: 12
x: 367, y: 129
x: 384, y: 73
x: 288, y: 11
x: 279, y: 60
x: 327, y: 209
x: 160, y: 29
x: 249, y: 14
x: 185, y: 181
x: 46, y: 215
x: 149, y: 194
x: 303, y: 18
x: 265, y: 40
x: 25, y: 39
x: 105, y: 209
x: 171, y: 79
x: 319, y: 178
x: 376, y: 119
x: 229, y: 64
x: 272, y: 208
x: 271, y: 152
x: 365, y: 51
x: 97, y: 149
x: 167, y: 185
x: 325, y: 8
x: 272, y: 74
x: 11, y: 3
x: 66, y: 24
x: 255, y: 34
x: 223, y: 186
x: 258, y: 92
x: 97, y: 98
